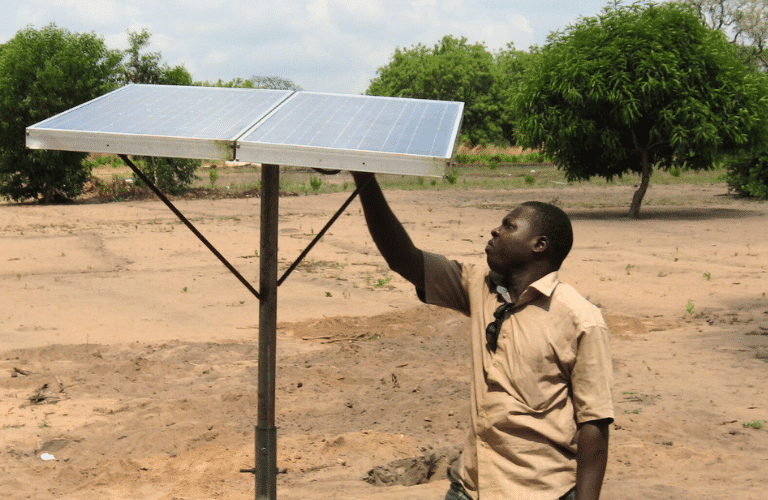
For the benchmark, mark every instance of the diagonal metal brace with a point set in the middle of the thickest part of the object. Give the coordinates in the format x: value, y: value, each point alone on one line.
x: 189, y: 225
x: 319, y: 235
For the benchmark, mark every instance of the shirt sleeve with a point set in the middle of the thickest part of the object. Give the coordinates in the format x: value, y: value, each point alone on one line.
x: 445, y: 283
x: 592, y: 376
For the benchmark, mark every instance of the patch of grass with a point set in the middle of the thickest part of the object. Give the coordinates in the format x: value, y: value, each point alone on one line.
x: 690, y: 307
x: 493, y: 156
x: 530, y: 179
x: 213, y: 176
x: 451, y: 175
x: 96, y: 161
x: 383, y: 281
x: 754, y: 424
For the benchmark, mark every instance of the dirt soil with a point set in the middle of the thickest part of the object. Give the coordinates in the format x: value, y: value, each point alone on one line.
x: 128, y: 353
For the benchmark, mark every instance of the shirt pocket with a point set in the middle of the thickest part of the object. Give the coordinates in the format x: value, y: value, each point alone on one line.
x: 526, y: 367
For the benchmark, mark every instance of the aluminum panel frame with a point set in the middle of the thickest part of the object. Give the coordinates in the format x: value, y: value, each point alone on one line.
x: 132, y: 144
x: 351, y: 160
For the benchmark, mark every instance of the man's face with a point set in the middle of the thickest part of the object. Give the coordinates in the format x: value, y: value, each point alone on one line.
x: 513, y: 242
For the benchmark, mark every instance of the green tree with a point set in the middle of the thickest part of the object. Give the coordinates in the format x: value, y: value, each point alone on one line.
x: 42, y: 73
x: 168, y: 174
x: 255, y: 82
x: 511, y: 64
x: 146, y: 67
x: 636, y: 88
x: 745, y: 23
x: 452, y: 70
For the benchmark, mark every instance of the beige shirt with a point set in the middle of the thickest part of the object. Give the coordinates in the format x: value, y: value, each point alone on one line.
x: 551, y: 371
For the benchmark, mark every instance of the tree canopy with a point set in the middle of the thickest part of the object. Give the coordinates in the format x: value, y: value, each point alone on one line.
x: 745, y: 23
x: 639, y: 87
x: 42, y: 73
x: 255, y: 82
x: 453, y: 70
x: 147, y: 67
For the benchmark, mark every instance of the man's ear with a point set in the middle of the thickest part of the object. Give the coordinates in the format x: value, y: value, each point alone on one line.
x: 541, y: 244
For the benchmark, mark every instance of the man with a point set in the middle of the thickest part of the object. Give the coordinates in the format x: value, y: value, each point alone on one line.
x: 541, y: 367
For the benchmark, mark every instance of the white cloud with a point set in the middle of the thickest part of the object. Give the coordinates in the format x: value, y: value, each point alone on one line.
x: 318, y: 12
x: 94, y: 12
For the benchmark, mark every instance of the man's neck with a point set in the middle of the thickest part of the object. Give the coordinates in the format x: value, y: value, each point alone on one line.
x: 517, y: 282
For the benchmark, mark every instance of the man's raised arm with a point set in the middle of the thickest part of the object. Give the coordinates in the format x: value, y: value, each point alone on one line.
x: 388, y: 233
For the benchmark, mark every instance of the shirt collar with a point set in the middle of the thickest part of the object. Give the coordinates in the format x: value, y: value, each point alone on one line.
x: 544, y: 285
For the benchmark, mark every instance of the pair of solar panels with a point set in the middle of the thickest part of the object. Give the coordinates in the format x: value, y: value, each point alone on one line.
x: 283, y: 127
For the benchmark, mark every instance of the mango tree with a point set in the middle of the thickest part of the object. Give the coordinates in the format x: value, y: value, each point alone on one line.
x: 638, y: 88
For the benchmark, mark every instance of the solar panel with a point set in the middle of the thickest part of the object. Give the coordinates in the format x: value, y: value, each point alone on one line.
x: 353, y: 132
x: 158, y: 120
x: 310, y: 129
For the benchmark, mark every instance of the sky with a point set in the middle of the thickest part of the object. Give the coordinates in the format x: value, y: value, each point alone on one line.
x: 320, y: 45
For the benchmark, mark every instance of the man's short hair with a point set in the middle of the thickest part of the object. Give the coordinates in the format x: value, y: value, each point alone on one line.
x: 553, y: 223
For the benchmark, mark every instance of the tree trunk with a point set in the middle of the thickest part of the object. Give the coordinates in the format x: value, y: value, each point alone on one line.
x: 645, y: 179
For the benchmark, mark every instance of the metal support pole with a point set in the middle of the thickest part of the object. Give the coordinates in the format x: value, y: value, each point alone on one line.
x: 266, y: 433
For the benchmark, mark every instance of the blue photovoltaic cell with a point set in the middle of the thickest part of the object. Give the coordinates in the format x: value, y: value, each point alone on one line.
x: 362, y: 123
x: 170, y: 111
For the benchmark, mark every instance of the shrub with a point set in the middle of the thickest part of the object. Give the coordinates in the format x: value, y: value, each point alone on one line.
x: 530, y: 179
x: 748, y: 175
x: 173, y: 175
x: 452, y: 175
x: 42, y: 73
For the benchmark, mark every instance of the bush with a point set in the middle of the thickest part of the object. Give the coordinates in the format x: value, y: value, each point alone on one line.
x: 173, y: 175
x: 748, y: 175
x: 43, y: 73
x: 530, y: 179
x: 452, y: 175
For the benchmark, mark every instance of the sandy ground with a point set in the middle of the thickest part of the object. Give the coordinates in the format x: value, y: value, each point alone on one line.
x: 129, y: 353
